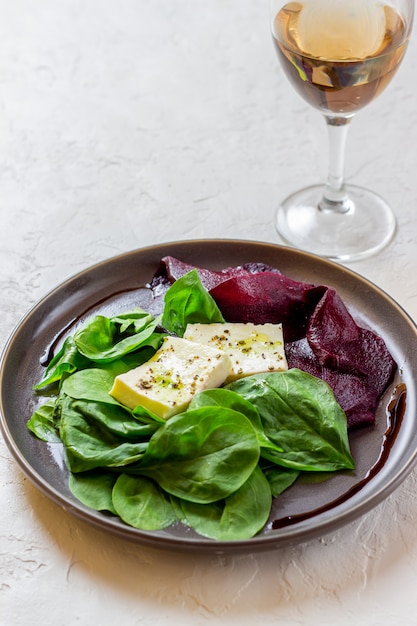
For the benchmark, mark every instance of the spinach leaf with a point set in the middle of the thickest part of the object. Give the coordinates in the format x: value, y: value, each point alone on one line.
x: 186, y: 302
x: 280, y: 478
x: 118, y: 420
x: 202, y: 455
x: 89, y: 444
x: 90, y: 384
x: 101, y: 341
x: 219, y: 397
x: 141, y: 503
x: 66, y: 361
x: 301, y: 415
x: 240, y: 516
x: 132, y: 322
x: 146, y: 416
x: 43, y: 424
x: 94, y: 489
x: 226, y: 398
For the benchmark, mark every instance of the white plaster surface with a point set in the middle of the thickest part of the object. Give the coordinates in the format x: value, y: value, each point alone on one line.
x: 128, y: 123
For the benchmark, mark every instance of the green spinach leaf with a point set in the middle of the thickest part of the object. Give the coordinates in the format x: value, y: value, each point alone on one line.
x: 94, y: 489
x: 90, y: 384
x: 221, y: 397
x: 43, y: 424
x: 186, y: 302
x: 89, y: 444
x: 118, y: 420
x: 280, y: 478
x: 66, y: 361
x: 202, y: 455
x: 141, y: 503
x: 240, y: 516
x: 101, y: 341
x: 132, y: 322
x: 301, y: 415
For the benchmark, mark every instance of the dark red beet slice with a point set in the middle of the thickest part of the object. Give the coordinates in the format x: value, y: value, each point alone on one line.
x: 170, y: 269
x: 268, y: 297
x: 380, y: 366
x: 356, y: 362
x: 334, y: 336
x: 355, y: 395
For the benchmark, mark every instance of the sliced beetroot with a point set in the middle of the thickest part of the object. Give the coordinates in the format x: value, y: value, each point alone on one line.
x: 268, y: 297
x: 334, y: 336
x: 380, y: 366
x: 299, y: 354
x: 171, y: 269
x: 355, y: 395
x: 358, y: 363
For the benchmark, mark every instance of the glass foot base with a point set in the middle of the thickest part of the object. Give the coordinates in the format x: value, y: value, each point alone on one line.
x: 366, y: 227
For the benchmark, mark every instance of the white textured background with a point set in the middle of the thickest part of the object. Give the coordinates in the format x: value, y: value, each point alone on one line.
x: 128, y: 123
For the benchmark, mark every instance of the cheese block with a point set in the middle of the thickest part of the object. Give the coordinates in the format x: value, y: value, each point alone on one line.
x: 252, y: 348
x: 167, y: 382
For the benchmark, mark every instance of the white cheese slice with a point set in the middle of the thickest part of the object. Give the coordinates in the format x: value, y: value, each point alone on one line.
x: 167, y: 382
x: 252, y: 348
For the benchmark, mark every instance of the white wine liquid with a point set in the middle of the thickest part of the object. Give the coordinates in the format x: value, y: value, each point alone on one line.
x: 339, y: 55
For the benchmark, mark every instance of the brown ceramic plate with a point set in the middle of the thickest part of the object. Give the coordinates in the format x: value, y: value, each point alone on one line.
x: 306, y: 510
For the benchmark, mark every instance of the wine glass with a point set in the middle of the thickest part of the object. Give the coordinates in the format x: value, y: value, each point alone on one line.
x: 339, y: 55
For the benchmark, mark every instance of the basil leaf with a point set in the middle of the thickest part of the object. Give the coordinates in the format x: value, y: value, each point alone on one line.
x: 202, y: 455
x: 186, y: 302
x: 301, y: 415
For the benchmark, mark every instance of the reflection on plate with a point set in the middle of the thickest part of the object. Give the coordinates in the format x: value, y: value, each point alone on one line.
x: 306, y: 510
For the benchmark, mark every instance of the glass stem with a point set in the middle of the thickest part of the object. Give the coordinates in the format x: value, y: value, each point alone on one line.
x: 335, y: 198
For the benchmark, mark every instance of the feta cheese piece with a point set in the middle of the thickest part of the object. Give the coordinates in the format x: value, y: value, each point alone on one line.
x: 167, y: 382
x: 253, y: 348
